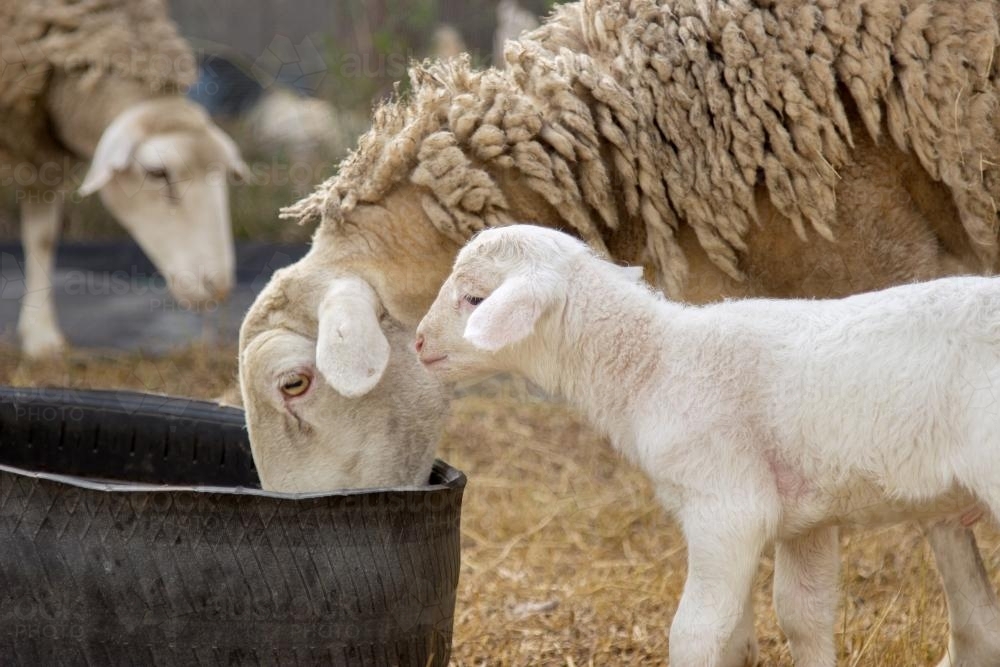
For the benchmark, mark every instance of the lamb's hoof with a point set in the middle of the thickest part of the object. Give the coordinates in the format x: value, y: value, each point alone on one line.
x: 43, y: 346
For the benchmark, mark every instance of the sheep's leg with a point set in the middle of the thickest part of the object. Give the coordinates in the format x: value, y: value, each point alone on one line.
x: 973, y: 610
x: 806, y: 577
x: 722, y: 560
x: 37, y: 326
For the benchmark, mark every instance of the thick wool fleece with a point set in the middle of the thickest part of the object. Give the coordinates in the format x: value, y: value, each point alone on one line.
x: 674, y: 112
x: 95, y: 41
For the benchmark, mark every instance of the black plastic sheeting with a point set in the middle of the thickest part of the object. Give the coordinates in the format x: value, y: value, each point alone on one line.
x: 109, y: 296
x: 101, y: 566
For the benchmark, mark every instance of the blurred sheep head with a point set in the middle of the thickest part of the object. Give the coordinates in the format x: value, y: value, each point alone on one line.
x: 161, y: 169
x: 334, y: 395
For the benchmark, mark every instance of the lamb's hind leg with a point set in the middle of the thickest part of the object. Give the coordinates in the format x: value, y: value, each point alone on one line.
x: 806, y: 581
x: 973, y: 610
x: 37, y: 326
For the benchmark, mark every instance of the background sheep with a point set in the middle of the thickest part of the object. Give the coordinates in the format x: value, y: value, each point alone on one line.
x: 707, y: 150
x: 758, y: 421
x: 308, y: 434
x: 102, y: 81
x: 512, y: 21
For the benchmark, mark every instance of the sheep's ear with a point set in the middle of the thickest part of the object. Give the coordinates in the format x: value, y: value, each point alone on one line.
x: 508, y: 315
x: 113, y: 153
x: 633, y: 273
x: 231, y: 153
x: 351, y: 349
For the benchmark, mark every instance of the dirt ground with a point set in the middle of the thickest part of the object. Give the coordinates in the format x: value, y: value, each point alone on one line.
x: 566, y: 558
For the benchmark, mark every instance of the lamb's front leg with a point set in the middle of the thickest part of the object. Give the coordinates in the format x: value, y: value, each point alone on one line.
x: 973, y: 610
x: 806, y: 578
x: 742, y: 649
x: 37, y: 326
x: 713, y: 626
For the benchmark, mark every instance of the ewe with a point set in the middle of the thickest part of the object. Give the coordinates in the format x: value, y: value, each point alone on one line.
x: 358, y: 414
x: 102, y: 81
x: 758, y: 421
x: 706, y: 141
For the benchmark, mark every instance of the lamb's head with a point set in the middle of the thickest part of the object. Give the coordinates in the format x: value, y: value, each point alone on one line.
x: 161, y: 169
x: 333, y: 393
x: 505, y: 283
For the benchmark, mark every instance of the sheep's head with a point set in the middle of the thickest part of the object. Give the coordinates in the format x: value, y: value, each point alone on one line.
x: 161, y: 169
x: 504, y: 283
x: 392, y: 246
x: 334, y: 396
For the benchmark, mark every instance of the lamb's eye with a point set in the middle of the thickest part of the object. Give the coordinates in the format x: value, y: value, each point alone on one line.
x: 158, y: 174
x: 473, y: 300
x: 295, y: 385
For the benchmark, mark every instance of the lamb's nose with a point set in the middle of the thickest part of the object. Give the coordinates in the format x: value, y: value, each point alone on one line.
x: 419, y: 345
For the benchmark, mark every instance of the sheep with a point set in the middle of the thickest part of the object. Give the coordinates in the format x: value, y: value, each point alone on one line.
x: 102, y: 81
x: 780, y: 149
x: 447, y: 42
x: 350, y: 417
x: 758, y: 421
x: 307, y: 130
x: 512, y: 21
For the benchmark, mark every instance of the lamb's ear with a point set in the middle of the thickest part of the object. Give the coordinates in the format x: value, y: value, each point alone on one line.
x: 508, y: 315
x: 351, y: 349
x: 113, y: 153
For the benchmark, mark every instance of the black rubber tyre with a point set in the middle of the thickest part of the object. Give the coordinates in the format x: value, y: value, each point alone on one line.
x: 131, y: 436
x: 100, y: 565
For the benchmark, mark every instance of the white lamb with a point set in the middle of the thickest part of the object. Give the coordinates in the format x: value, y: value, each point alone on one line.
x: 758, y: 421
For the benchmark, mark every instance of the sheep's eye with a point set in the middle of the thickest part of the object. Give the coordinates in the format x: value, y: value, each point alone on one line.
x: 159, y: 174
x: 473, y: 300
x: 296, y: 385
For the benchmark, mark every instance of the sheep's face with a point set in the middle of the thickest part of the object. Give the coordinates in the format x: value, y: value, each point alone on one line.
x: 505, y: 282
x: 161, y: 169
x: 347, y: 407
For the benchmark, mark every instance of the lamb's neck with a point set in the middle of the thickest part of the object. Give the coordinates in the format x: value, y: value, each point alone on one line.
x: 605, y: 351
x: 80, y: 126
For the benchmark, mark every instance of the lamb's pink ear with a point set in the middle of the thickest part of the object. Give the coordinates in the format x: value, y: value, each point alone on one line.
x: 351, y: 349
x: 508, y: 315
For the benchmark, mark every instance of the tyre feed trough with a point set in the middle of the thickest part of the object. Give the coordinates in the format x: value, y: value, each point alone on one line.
x: 133, y: 531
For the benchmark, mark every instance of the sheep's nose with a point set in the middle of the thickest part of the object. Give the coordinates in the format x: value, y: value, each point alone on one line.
x: 419, y: 345
x: 219, y: 288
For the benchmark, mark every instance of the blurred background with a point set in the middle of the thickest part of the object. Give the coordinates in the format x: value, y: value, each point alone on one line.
x: 294, y: 82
